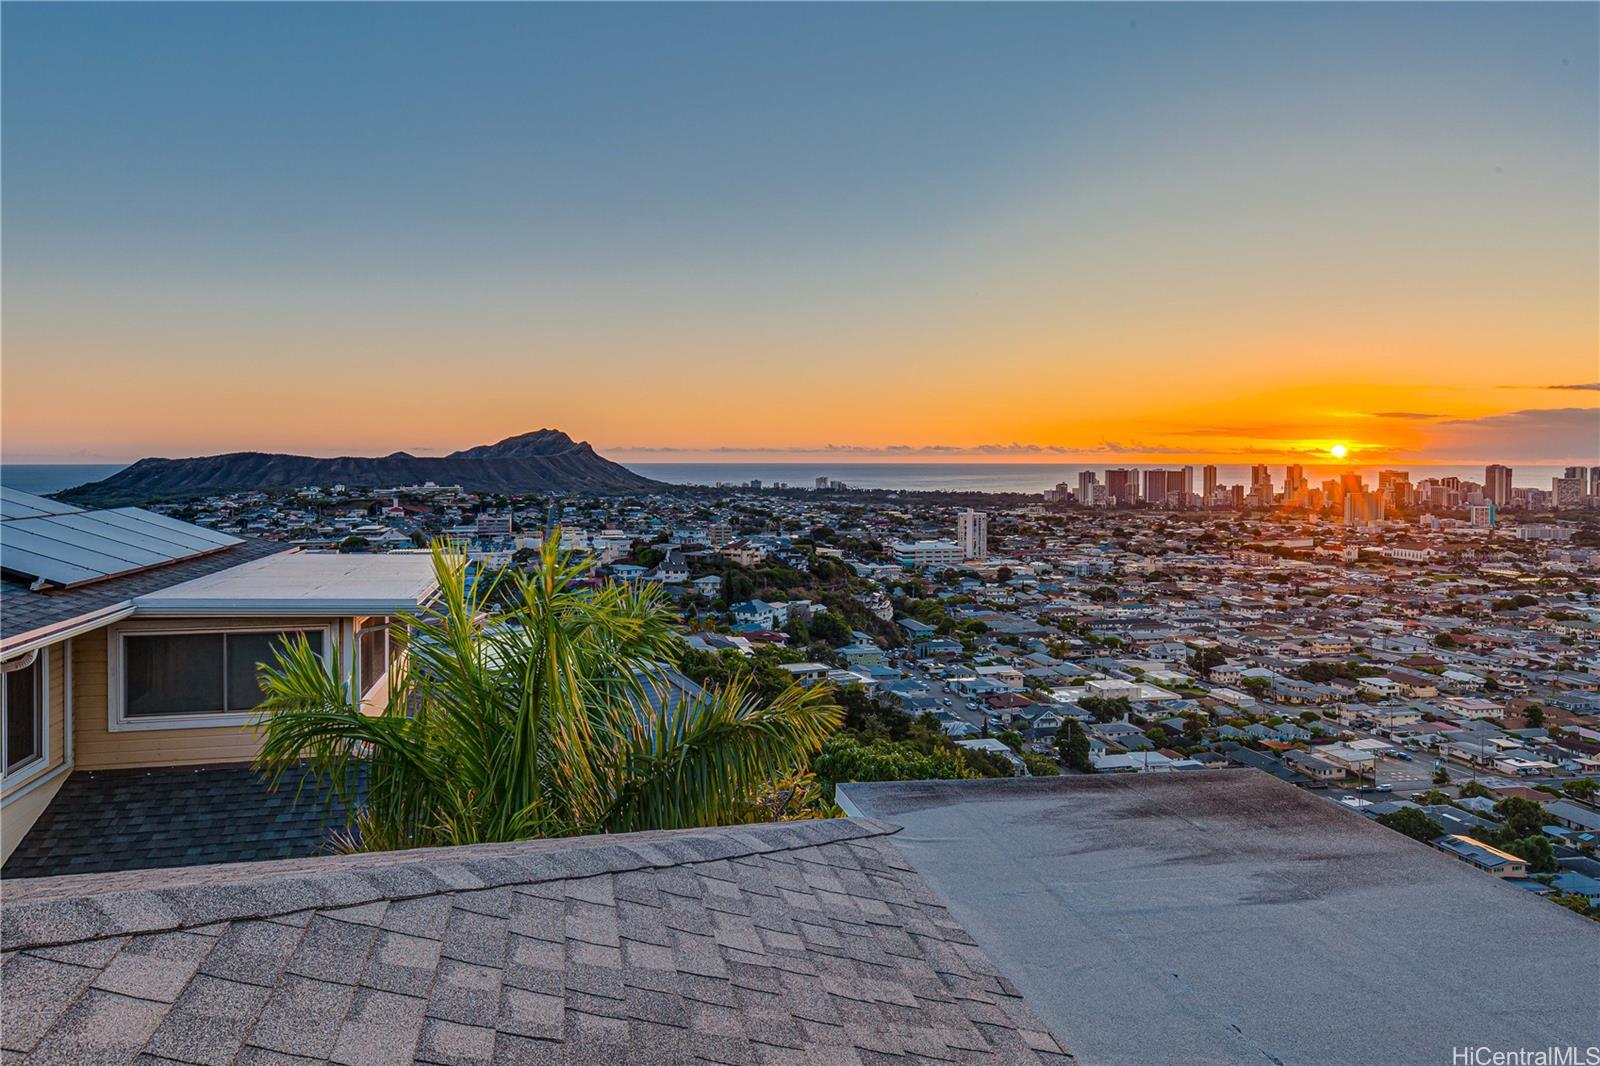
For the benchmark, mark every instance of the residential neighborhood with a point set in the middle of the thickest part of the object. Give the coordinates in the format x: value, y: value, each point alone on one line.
x: 1434, y: 684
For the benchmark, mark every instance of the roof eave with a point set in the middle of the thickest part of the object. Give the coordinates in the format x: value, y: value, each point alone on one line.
x: 56, y: 632
x: 259, y: 608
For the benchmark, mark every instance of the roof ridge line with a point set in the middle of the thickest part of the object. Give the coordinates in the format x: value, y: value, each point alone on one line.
x: 129, y: 906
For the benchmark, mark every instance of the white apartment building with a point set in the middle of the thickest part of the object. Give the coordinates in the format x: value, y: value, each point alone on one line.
x: 972, y: 534
x: 926, y: 554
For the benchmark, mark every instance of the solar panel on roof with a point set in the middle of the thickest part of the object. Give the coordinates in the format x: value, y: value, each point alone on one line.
x: 51, y: 536
x: 75, y: 547
x: 102, y: 525
x: 173, y: 526
x: 15, y: 504
x: 20, y: 561
x: 129, y: 524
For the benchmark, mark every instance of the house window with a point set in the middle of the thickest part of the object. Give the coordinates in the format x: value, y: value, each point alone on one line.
x: 175, y: 674
x: 372, y: 646
x: 22, y: 707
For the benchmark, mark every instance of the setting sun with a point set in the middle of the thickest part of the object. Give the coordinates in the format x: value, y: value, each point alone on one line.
x: 1338, y: 451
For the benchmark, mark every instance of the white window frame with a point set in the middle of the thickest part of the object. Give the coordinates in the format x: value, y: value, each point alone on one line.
x: 375, y: 695
x: 117, y: 720
x: 36, y: 765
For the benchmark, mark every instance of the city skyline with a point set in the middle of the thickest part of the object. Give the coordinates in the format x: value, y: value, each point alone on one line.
x: 1129, y: 234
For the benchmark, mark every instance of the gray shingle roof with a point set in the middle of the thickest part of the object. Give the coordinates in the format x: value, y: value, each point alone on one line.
x: 105, y: 820
x: 22, y: 610
x: 803, y: 942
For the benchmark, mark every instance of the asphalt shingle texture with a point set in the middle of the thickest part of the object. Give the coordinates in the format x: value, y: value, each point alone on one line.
x: 104, y: 820
x: 805, y: 943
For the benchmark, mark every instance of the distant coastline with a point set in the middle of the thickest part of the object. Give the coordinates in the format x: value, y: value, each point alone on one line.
x: 1011, y: 477
x: 44, y: 478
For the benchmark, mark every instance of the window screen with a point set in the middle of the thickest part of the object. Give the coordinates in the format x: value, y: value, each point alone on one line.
x: 374, y: 650
x: 24, y: 724
x: 199, y: 673
x: 173, y: 674
x: 247, y: 653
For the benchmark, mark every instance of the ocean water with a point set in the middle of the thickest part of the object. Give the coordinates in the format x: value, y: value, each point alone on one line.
x: 44, y: 478
x: 1014, y: 477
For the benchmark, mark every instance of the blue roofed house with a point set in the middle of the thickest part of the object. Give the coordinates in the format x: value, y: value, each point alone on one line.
x: 1574, y: 816
x: 759, y: 614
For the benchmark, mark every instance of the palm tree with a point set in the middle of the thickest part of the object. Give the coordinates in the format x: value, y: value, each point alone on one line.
x: 528, y: 705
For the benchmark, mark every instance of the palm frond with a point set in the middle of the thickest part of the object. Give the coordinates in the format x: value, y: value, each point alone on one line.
x: 528, y: 704
x: 702, y: 762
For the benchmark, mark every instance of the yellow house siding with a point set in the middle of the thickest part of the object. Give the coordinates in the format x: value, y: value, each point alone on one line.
x: 59, y: 654
x: 98, y: 748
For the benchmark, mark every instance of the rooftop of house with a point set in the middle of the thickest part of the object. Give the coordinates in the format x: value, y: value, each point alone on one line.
x: 1235, y: 916
x: 793, y: 942
x: 302, y: 584
x: 105, y: 820
x: 26, y: 615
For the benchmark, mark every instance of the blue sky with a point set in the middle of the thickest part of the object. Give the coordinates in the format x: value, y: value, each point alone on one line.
x: 267, y: 208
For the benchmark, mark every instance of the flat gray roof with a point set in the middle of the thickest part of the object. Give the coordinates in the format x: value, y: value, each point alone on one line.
x: 305, y: 583
x: 1225, y: 916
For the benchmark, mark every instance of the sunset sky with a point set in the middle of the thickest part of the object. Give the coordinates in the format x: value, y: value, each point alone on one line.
x: 1079, y: 232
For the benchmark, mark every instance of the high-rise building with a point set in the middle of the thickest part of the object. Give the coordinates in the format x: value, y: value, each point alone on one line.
x: 1169, y: 488
x: 1259, y: 475
x: 822, y: 484
x: 1395, y: 486
x: 1497, y: 484
x: 1362, y: 508
x: 1568, y: 491
x: 972, y: 534
x: 1156, y: 487
x: 1208, y: 481
x: 1594, y: 481
x: 1086, y: 482
x: 1122, y: 486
